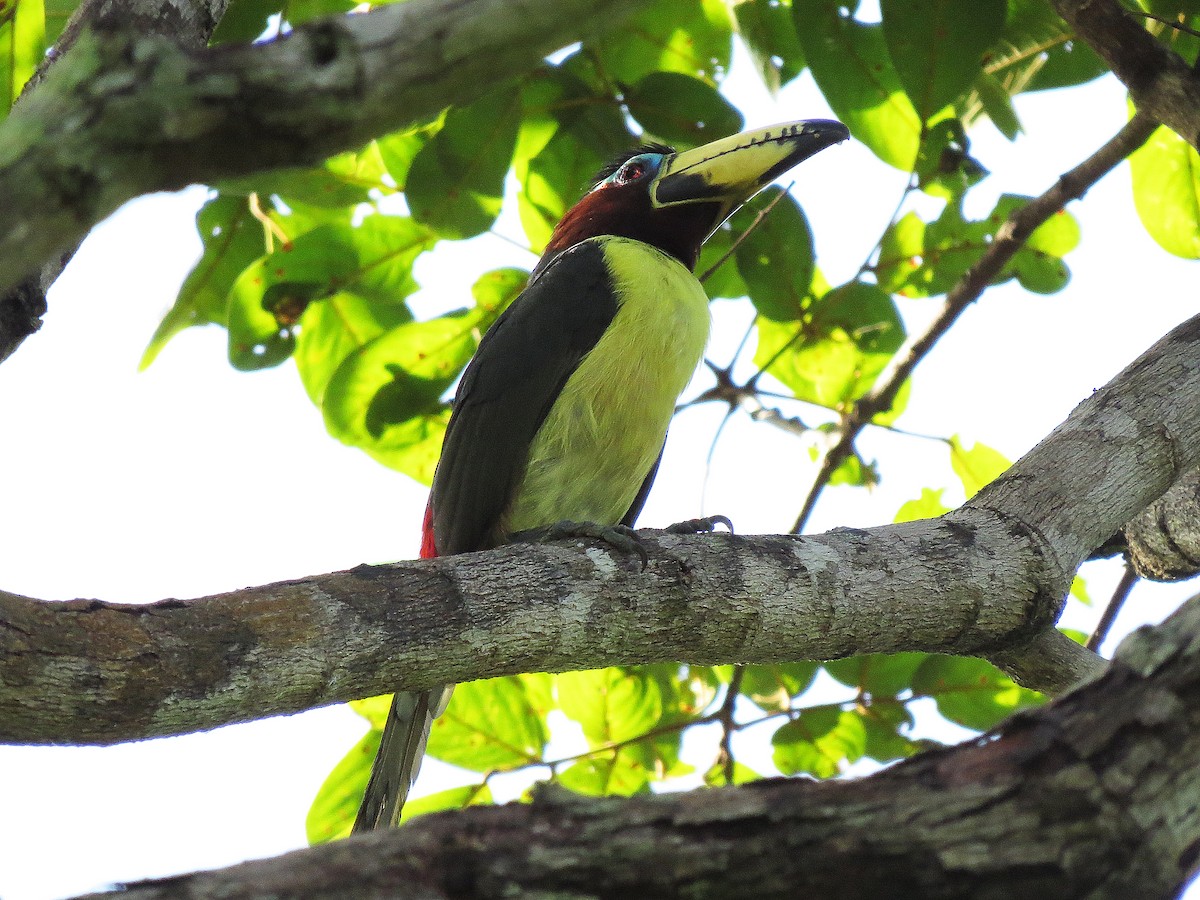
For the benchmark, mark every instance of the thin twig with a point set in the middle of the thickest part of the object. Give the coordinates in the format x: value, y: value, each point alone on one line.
x: 1120, y: 595
x: 1010, y: 237
x: 728, y: 726
x: 758, y: 220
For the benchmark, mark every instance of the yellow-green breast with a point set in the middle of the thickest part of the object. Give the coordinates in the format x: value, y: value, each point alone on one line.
x: 607, y: 426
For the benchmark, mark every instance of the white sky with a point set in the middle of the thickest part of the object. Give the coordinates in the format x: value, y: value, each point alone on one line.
x: 192, y: 478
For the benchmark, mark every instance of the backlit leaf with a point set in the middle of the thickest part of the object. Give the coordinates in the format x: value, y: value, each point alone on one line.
x: 819, y: 742
x: 1166, y: 192
x: 682, y: 109
x: 694, y: 38
x: 232, y: 240
x: 775, y: 258
x: 936, y: 46
x: 456, y: 182
x: 850, y: 63
x: 976, y: 467
x: 611, y: 704
x: 971, y: 692
x: 877, y: 674
x: 22, y: 45
x: 489, y: 725
x: 836, y: 355
x: 336, y: 804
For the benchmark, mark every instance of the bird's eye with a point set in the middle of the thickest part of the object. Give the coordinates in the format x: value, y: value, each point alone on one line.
x: 631, y: 171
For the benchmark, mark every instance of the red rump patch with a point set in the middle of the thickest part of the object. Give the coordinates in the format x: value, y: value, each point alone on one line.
x: 428, y: 547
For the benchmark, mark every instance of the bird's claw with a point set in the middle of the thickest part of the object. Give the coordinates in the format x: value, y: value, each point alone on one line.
x: 705, y: 525
x: 620, y: 537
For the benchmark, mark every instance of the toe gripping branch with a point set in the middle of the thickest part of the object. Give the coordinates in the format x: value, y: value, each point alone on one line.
x: 621, y: 538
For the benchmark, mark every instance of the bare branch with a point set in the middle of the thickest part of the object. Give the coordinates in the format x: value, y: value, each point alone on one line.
x: 1009, y: 239
x: 1000, y: 567
x: 1075, y: 799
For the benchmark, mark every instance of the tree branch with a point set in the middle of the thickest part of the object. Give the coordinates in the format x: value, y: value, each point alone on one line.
x: 1163, y: 86
x: 1000, y: 566
x: 1080, y: 798
x: 191, y: 25
x: 124, y: 113
x: 1010, y: 237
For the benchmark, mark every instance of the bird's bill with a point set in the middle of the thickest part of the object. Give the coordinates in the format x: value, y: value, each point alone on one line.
x: 730, y: 171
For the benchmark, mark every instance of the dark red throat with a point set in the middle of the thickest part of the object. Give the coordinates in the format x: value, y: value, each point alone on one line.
x: 625, y: 211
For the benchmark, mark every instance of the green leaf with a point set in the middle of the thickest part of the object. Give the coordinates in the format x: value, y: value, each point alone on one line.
x: 245, y: 20
x: 1080, y: 592
x: 682, y: 109
x: 694, y: 38
x: 373, y: 709
x: 385, y: 397
x: 342, y: 180
x: 399, y: 149
x: 877, y: 674
x: 775, y: 257
x: 270, y: 294
x: 333, y: 329
x: 928, y: 506
x: 569, y: 131
x: 997, y: 103
x: 819, y: 742
x: 232, y: 240
x: 769, y: 32
x: 724, y: 282
x: 1166, y: 192
x: 297, y: 12
x: 1038, y: 51
x: 772, y: 688
x: 976, y: 467
x: 333, y: 809
x: 454, y: 798
x: 22, y: 46
x: 57, y: 14
x: 851, y: 333
x: 597, y: 776
x: 945, y: 167
x: 850, y: 63
x: 883, y: 721
x: 936, y: 46
x: 611, y: 704
x: 900, y: 252
x: 971, y: 692
x: 489, y: 725
x: 456, y: 182
x: 742, y: 774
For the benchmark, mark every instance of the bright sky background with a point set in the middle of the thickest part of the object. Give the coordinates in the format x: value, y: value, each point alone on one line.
x: 192, y: 478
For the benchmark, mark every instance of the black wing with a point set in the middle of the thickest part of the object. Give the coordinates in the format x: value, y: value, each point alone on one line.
x: 508, y: 389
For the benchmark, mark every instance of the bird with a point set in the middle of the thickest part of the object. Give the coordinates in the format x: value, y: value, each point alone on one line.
x: 562, y: 413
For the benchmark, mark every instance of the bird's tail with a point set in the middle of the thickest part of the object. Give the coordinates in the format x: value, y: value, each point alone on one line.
x: 399, y: 758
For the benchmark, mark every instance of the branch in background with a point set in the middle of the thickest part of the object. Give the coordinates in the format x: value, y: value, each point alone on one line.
x: 1074, y: 799
x: 999, y: 566
x: 189, y: 24
x: 1009, y: 239
x: 1163, y: 86
x: 1128, y: 579
x: 159, y: 117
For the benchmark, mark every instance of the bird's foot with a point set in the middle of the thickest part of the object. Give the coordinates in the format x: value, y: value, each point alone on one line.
x: 705, y: 525
x: 620, y: 537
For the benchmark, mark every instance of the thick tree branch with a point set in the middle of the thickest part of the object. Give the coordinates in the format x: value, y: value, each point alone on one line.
x: 988, y: 579
x: 1096, y: 795
x: 124, y: 114
x: 1010, y: 237
x: 1163, y: 86
x: 190, y: 24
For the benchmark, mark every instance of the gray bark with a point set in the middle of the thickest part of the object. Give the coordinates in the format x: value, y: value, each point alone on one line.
x: 988, y: 579
x: 1096, y: 795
